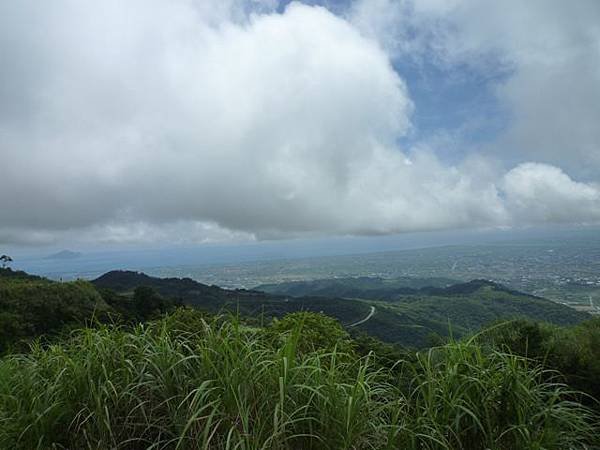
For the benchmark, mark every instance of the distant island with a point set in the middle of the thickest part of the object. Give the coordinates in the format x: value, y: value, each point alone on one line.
x: 64, y: 254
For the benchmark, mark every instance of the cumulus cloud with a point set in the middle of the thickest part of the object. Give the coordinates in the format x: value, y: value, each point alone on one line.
x: 545, y: 53
x: 554, y: 50
x: 542, y: 193
x: 224, y: 120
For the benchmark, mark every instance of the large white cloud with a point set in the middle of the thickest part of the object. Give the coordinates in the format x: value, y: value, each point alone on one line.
x: 188, y: 121
x: 541, y: 193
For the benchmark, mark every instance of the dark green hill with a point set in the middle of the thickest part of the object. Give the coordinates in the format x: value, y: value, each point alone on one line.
x: 33, y: 307
x: 17, y: 274
x: 380, y: 288
x: 356, y: 287
x: 248, y: 303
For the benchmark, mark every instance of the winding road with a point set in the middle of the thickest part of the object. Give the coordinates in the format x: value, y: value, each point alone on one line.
x: 371, y: 313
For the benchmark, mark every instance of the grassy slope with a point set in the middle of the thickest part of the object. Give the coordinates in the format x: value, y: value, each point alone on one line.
x: 227, y: 386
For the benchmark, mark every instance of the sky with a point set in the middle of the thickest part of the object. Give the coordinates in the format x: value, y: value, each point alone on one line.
x: 183, y: 122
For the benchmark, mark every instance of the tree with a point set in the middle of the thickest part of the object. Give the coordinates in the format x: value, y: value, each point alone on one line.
x: 315, y: 331
x: 6, y: 260
x: 148, y: 302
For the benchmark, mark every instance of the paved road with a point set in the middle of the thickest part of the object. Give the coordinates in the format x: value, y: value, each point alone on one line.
x: 371, y: 313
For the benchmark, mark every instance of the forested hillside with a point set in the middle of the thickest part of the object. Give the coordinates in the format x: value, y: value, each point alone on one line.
x: 32, y: 306
x: 247, y: 303
x: 417, y: 316
x: 362, y: 287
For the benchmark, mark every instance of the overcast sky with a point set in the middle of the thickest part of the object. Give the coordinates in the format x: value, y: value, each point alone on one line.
x: 190, y: 121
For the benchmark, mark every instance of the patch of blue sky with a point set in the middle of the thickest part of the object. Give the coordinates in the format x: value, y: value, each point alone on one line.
x: 457, y: 103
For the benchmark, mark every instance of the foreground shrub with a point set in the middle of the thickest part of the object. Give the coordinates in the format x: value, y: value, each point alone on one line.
x: 312, y: 332
x: 573, y: 351
x: 228, y: 386
x: 461, y: 396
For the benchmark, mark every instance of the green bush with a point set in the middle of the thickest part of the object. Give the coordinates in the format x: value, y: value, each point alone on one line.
x: 31, y: 307
x: 313, y: 332
x: 36, y: 308
x: 572, y: 351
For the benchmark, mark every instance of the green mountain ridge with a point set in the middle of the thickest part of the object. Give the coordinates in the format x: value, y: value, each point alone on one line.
x: 31, y: 306
x: 404, y: 315
x: 383, y: 289
x: 418, y: 315
x: 246, y: 302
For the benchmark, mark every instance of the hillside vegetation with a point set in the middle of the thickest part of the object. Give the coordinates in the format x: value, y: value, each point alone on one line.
x: 32, y: 307
x: 247, y: 303
x: 188, y: 382
x: 107, y: 369
x: 572, y: 351
x: 364, y: 287
x: 418, y: 316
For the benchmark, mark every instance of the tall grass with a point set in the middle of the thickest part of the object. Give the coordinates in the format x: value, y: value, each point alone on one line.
x: 227, y: 386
